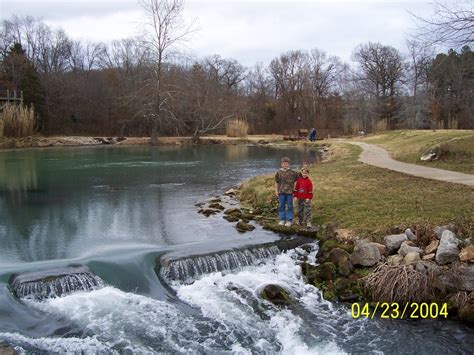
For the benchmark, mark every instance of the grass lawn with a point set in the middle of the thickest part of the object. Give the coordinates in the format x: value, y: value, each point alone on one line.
x: 371, y: 200
x: 457, y: 147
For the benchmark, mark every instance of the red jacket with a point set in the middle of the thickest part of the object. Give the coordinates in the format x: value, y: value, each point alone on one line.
x: 303, y: 188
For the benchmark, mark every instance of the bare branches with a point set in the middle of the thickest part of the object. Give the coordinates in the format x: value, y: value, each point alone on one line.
x: 452, y: 24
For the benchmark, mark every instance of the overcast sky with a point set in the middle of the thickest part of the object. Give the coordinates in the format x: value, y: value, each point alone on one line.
x: 249, y: 31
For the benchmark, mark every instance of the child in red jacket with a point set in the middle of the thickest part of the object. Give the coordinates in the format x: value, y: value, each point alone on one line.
x: 304, y: 194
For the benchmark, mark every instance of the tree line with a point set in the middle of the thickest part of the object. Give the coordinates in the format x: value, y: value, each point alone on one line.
x: 137, y: 87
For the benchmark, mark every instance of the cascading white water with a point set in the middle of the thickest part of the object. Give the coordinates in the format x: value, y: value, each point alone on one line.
x: 189, y: 269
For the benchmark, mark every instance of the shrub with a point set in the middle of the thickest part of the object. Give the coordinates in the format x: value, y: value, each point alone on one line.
x: 237, y: 128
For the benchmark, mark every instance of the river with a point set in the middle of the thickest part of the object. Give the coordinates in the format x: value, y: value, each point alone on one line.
x: 119, y: 211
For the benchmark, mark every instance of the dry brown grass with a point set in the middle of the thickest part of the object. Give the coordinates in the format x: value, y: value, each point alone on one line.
x: 401, y: 284
x: 17, y: 121
x: 237, y: 128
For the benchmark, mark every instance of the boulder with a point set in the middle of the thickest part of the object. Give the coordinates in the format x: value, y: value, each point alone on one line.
x: 231, y: 192
x: 448, y: 250
x: 466, y: 242
x: 428, y: 257
x: 410, y: 235
x: 234, y: 211
x: 365, y: 254
x: 382, y: 248
x: 208, y: 211
x: 439, y: 230
x: 431, y: 154
x: 461, y: 279
x: 431, y: 248
x: 341, y: 259
x: 395, y: 260
x: 406, y: 248
x: 411, y: 257
x: 243, y: 227
x: 231, y: 218
x: 276, y: 295
x: 393, y: 242
x: 466, y: 311
x: 6, y: 350
x: 467, y: 254
x: 326, y: 272
x: 217, y: 206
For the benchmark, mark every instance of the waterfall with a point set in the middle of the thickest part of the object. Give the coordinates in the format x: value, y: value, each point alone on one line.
x: 191, y: 268
x: 54, y: 283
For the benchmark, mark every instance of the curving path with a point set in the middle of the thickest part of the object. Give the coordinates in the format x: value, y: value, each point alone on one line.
x: 374, y: 155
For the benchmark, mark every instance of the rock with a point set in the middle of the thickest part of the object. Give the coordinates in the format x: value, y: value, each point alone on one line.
x: 411, y: 257
x: 431, y: 248
x: 326, y: 272
x: 395, y: 260
x: 231, y: 218
x: 200, y: 204
x: 460, y: 279
x: 431, y: 154
x: 276, y: 295
x: 231, y: 192
x: 382, y: 248
x: 466, y: 311
x: 121, y: 139
x: 393, y: 242
x: 428, y: 257
x: 6, y: 350
x: 406, y: 248
x: 396, y: 229
x: 425, y: 266
x: 341, y: 259
x: 207, y: 211
x: 217, y: 206
x: 467, y: 254
x: 439, y: 230
x: 243, y: 227
x: 234, y: 211
x: 466, y: 242
x: 410, y: 235
x: 365, y: 254
x: 448, y: 248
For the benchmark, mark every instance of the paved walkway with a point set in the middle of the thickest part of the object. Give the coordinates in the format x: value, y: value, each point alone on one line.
x: 374, y: 155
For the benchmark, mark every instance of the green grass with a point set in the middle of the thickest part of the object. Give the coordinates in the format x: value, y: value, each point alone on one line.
x: 371, y: 200
x: 457, y: 147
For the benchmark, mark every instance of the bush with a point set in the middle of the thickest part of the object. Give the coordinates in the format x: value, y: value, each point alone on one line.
x: 237, y: 128
x: 17, y: 121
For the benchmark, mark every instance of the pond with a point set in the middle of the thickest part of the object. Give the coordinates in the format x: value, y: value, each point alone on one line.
x: 117, y: 210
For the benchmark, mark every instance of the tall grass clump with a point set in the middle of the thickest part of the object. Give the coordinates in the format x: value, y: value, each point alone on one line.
x: 17, y: 120
x: 237, y: 128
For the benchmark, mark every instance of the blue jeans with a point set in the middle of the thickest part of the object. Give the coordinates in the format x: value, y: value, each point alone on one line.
x: 285, y: 207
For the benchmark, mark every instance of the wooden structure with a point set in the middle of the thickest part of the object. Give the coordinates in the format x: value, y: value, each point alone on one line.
x: 12, y: 97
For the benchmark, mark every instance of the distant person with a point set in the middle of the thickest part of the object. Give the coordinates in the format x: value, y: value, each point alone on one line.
x: 312, y: 135
x: 284, y: 186
x: 304, y: 194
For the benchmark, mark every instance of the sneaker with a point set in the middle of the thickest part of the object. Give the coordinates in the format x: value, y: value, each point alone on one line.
x: 288, y: 224
x: 309, y: 225
x: 281, y: 223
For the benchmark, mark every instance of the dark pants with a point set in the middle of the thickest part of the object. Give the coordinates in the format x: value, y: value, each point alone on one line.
x: 285, y: 207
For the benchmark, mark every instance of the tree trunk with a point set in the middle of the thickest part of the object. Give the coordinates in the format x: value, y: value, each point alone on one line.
x: 154, y: 132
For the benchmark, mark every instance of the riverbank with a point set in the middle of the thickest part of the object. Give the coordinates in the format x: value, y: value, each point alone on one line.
x: 71, y: 141
x: 360, y: 210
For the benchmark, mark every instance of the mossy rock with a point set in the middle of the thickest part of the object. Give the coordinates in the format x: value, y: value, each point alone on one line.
x: 216, y: 206
x: 326, y: 271
x: 207, y: 211
x: 215, y: 200
x: 363, y: 271
x: 243, y: 227
x: 231, y: 218
x: 276, y: 295
x: 334, y: 243
x: 234, y: 211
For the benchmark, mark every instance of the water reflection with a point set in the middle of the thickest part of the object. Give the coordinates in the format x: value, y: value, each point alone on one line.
x: 76, y: 201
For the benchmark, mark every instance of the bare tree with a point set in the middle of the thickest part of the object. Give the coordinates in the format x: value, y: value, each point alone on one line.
x: 165, y: 29
x: 452, y: 23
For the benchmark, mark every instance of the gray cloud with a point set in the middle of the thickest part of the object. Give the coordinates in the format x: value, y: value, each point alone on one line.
x: 249, y: 31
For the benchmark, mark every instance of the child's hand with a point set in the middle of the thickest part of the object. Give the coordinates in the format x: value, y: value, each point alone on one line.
x: 307, y: 200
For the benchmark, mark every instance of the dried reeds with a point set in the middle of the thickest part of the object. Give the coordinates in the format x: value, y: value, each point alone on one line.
x: 17, y: 120
x: 237, y: 128
x: 402, y: 284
